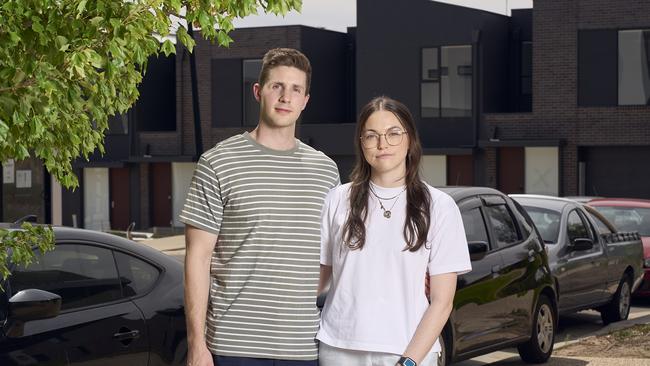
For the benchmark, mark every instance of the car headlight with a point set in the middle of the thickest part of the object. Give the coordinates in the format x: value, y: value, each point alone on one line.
x: 646, y: 263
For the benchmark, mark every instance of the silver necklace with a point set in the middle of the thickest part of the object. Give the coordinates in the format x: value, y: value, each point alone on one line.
x: 387, y: 213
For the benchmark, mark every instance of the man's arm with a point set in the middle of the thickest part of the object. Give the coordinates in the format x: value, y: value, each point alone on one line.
x: 199, y: 245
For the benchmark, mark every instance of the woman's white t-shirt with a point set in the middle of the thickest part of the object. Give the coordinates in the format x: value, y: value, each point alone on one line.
x: 376, y: 299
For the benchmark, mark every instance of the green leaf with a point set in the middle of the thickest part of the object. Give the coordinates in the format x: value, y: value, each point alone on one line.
x: 62, y: 43
x: 168, y: 47
x: 95, y: 59
x: 224, y: 39
x: 81, y: 7
x: 14, y: 37
x: 37, y: 26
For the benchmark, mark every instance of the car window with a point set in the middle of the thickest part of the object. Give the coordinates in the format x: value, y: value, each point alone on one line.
x: 576, y: 227
x: 524, y: 224
x: 503, y: 225
x: 136, y: 275
x: 628, y: 218
x: 474, y: 225
x: 547, y: 222
x: 600, y: 225
x: 82, y: 275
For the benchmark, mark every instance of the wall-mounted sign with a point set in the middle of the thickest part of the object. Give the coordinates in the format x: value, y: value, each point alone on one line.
x: 23, y: 179
x: 8, y: 172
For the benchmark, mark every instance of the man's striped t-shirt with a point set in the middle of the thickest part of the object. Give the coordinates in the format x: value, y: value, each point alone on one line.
x: 265, y: 206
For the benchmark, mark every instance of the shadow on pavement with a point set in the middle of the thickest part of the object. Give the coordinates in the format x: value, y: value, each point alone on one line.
x: 516, y: 361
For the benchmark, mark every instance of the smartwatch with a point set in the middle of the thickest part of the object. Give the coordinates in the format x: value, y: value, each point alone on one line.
x: 406, y: 361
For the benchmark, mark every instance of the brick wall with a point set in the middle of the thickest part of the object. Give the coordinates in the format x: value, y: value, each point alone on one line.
x: 555, y: 112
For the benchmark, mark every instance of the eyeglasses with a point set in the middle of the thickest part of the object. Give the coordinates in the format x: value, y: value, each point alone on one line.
x: 393, y: 137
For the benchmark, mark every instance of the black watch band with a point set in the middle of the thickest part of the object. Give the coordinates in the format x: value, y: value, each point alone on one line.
x: 406, y: 361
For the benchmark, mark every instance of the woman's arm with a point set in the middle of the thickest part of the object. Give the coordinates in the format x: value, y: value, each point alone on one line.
x: 325, y: 275
x: 443, y: 287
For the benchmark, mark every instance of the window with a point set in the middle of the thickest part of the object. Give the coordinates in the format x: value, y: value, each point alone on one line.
x: 633, y: 65
x: 474, y: 225
x: 155, y: 109
x: 82, y: 275
x: 430, y: 89
x: 136, y: 275
x: 503, y: 225
x: 446, y: 82
x: 576, y: 228
x: 602, y: 227
x: 250, y: 75
x: 614, y: 67
x: 547, y: 222
x: 628, y: 218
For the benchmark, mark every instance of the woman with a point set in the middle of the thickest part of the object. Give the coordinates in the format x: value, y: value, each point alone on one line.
x: 381, y: 234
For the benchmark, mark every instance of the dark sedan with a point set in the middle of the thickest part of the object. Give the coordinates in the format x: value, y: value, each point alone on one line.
x: 594, y: 265
x: 96, y: 299
x: 508, y: 299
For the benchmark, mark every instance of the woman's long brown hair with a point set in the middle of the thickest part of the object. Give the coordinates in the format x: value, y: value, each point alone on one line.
x: 418, y: 197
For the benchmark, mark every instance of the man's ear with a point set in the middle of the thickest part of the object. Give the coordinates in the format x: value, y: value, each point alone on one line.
x: 304, y: 105
x: 256, y: 91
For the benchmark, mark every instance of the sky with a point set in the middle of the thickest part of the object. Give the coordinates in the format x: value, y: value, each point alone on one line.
x: 340, y: 14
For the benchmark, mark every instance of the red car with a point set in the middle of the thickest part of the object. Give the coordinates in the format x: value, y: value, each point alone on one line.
x: 630, y: 215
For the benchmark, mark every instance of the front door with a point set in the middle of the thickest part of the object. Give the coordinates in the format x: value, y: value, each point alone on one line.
x: 120, y: 210
x: 478, y: 319
x: 581, y: 272
x: 97, y: 325
x: 161, y: 194
x: 511, y: 170
x: 460, y: 170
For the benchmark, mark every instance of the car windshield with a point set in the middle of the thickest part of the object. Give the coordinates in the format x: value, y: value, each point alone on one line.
x: 547, y: 222
x: 628, y: 218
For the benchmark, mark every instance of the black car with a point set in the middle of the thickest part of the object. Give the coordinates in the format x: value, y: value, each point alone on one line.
x: 96, y: 299
x: 509, y: 298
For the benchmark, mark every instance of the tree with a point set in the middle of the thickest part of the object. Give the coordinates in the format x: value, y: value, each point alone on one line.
x: 67, y: 65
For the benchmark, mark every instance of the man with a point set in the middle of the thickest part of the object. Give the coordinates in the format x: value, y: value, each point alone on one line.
x: 252, y: 219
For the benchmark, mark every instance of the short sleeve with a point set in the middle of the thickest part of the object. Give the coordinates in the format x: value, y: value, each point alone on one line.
x: 449, y: 252
x: 203, y: 207
x: 326, y: 231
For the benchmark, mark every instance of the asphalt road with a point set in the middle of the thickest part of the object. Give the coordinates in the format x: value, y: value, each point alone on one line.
x: 572, y: 328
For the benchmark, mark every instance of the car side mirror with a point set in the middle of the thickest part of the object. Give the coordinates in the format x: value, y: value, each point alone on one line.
x: 477, y: 250
x: 34, y: 304
x: 582, y: 244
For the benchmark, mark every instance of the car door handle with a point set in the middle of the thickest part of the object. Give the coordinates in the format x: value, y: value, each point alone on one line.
x: 124, y: 335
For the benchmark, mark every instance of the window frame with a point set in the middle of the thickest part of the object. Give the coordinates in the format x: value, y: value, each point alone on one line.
x: 615, y: 103
x: 247, y: 92
x: 496, y: 200
x: 438, y: 81
x: 118, y: 300
x: 123, y: 298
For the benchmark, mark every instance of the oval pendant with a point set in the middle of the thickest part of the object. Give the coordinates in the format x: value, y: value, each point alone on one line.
x: 387, y: 214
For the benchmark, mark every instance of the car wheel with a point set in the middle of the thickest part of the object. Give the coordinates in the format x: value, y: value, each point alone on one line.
x: 619, y: 308
x: 540, y: 345
x: 443, y: 358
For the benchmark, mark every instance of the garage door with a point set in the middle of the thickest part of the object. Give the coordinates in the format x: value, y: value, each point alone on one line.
x: 616, y: 171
